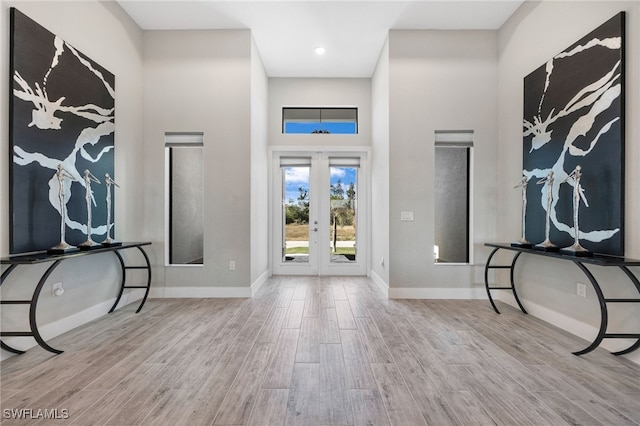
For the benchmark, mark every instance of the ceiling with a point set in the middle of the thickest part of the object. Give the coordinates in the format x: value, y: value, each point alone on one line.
x: 287, y: 32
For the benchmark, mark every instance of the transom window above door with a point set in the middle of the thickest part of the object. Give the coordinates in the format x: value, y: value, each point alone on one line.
x: 320, y: 120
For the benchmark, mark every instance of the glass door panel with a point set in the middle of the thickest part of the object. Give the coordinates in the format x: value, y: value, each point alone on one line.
x: 343, y: 192
x: 295, y: 214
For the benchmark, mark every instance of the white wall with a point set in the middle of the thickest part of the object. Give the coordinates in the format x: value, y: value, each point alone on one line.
x: 325, y: 92
x: 536, y: 32
x: 200, y: 81
x: 380, y: 170
x: 259, y: 171
x: 90, y: 282
x: 438, y: 80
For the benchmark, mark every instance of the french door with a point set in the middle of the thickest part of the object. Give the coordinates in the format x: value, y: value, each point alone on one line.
x: 319, y: 216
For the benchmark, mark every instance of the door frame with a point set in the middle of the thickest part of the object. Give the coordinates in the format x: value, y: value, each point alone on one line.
x: 323, y: 266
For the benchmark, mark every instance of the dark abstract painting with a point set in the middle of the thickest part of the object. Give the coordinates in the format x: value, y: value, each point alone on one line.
x: 61, y: 111
x: 574, y: 116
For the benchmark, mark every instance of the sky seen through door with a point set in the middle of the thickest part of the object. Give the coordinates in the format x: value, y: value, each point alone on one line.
x: 298, y: 177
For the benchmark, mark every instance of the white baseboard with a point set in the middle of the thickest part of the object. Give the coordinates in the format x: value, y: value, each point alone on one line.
x: 199, y: 292
x: 380, y: 284
x: 437, y: 293
x: 61, y: 326
x: 566, y: 323
x: 257, y: 284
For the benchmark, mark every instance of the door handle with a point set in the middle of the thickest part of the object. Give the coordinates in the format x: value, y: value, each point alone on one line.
x: 315, y: 229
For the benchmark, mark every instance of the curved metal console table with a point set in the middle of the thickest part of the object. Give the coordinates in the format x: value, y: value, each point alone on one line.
x: 581, y: 262
x: 42, y: 257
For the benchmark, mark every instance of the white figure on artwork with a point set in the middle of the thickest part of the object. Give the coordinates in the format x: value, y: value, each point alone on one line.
x: 578, y: 192
x: 88, y: 178
x: 548, y: 182
x: 60, y: 175
x: 108, y: 181
x: 523, y: 184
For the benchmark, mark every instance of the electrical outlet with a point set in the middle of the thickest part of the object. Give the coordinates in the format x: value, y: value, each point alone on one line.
x: 232, y: 265
x: 581, y: 289
x: 57, y: 289
x: 406, y: 216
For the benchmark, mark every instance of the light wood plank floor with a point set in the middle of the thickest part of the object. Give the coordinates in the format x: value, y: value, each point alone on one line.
x: 321, y: 351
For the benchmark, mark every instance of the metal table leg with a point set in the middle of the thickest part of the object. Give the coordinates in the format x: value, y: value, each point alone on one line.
x: 146, y: 293
x: 122, y: 282
x: 123, y: 285
x: 513, y: 284
x: 34, y: 305
x: 511, y: 277
x: 3, y: 277
x: 636, y: 284
x: 604, y: 317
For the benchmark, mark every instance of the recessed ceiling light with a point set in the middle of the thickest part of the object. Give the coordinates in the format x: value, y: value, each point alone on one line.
x: 319, y: 50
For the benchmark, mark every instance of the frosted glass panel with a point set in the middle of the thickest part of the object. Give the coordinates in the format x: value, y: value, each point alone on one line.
x: 451, y: 198
x: 186, y: 210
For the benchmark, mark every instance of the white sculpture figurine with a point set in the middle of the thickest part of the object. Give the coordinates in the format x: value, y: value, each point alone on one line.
x: 578, y: 192
x: 547, y: 244
x: 88, y: 178
x: 108, y: 181
x: 523, y: 184
x: 63, y: 246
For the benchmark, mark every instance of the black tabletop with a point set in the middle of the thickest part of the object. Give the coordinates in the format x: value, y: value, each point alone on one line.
x: 43, y: 256
x: 596, y: 259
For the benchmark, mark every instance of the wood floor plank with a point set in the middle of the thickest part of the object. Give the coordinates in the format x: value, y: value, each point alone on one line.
x: 334, y: 407
x: 490, y: 388
x: 222, y: 376
x: 300, y: 292
x: 75, y: 402
x: 466, y: 408
x: 358, y: 374
x: 113, y: 401
x: 328, y: 326
x: 137, y: 408
x: 325, y: 294
x: 373, y: 342
x: 387, y: 329
x: 345, y: 317
x: 308, y: 349
x: 172, y: 408
x: 312, y: 304
x: 242, y: 395
x: 422, y: 384
x: 339, y: 293
x: 368, y: 408
x: 293, y: 318
x: 303, y: 404
x: 270, y: 408
x: 398, y: 401
x: 358, y: 307
x: 570, y: 412
x: 279, y: 372
x: 271, y: 329
x: 597, y: 407
x: 284, y: 297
